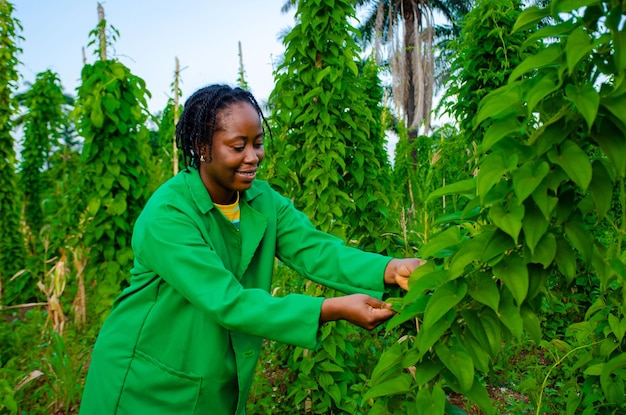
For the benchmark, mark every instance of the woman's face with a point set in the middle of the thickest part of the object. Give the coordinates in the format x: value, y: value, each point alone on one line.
x: 236, y: 153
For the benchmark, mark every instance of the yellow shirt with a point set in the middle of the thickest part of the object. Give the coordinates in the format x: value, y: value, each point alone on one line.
x: 231, y: 211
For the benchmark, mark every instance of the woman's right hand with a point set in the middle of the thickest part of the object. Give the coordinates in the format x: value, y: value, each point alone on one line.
x: 359, y: 309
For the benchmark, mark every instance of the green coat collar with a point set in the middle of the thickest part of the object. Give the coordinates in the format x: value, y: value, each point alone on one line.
x: 253, y: 223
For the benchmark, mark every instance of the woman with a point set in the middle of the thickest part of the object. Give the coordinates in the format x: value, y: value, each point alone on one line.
x: 185, y: 336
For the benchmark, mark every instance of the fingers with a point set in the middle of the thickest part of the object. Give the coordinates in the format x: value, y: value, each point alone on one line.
x: 405, y: 269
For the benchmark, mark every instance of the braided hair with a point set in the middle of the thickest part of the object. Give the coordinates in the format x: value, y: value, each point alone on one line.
x: 197, y: 123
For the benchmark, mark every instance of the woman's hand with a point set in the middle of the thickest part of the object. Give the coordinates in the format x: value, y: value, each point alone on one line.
x: 399, y: 271
x: 359, y: 309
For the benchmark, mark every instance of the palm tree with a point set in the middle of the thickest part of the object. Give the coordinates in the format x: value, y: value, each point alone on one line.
x: 403, y: 34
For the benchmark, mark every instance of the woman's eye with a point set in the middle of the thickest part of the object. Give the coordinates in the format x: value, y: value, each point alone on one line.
x: 239, y: 148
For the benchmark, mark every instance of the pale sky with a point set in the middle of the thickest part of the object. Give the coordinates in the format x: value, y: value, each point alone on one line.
x: 203, y: 34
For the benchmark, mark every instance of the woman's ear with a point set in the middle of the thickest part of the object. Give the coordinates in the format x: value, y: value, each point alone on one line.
x: 201, y: 151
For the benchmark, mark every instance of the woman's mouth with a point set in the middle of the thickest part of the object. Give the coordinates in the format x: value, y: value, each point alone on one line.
x: 250, y: 174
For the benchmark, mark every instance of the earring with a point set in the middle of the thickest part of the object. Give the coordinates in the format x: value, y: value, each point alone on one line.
x: 202, y: 159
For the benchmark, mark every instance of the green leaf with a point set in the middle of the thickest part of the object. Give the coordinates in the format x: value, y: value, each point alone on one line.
x: 618, y: 327
x: 587, y: 101
x: 419, y: 284
x: 611, y: 380
x: 498, y: 244
x: 566, y: 260
x: 387, y: 364
x: 510, y: 313
x: 530, y: 17
x: 458, y: 217
x: 528, y: 177
x: 407, y: 313
x: 499, y: 129
x: 492, y: 168
x: 469, y: 252
x: 428, y: 336
x: 352, y: 66
x: 579, y: 44
x: 498, y: 103
x: 613, y: 145
x: 535, y: 226
x: 594, y: 370
x: 619, y: 44
x: 97, y: 116
x: 544, y: 201
x: 509, y: 221
x: 601, y: 188
x: 443, y: 300
x: 482, y: 288
x: 459, y: 363
x: 542, y: 87
x: 574, y: 162
x: 467, y: 186
x: 319, y: 76
x: 616, y: 106
x: 514, y: 273
x: 442, y: 244
x: 490, y: 324
x: 545, y: 251
x: 93, y: 206
x: 427, y: 403
x: 397, y: 385
x: 532, y: 325
x: 478, y: 394
x: 541, y: 59
x: 426, y: 370
x: 579, y: 236
x: 479, y: 355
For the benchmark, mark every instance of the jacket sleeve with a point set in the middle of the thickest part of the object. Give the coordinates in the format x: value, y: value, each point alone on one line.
x: 169, y: 243
x: 325, y: 258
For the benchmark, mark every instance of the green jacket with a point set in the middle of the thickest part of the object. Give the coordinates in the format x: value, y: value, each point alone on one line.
x: 185, y: 336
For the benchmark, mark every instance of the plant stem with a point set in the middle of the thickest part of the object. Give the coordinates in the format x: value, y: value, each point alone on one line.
x: 558, y: 362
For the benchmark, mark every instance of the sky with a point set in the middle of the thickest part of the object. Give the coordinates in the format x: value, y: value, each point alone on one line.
x: 202, y: 34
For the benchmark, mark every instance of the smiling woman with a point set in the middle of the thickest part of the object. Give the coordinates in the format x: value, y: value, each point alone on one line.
x: 185, y: 336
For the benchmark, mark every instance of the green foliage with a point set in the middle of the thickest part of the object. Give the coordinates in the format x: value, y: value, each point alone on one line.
x: 542, y: 159
x: 324, y: 154
x: 43, y: 122
x: 111, y: 115
x: 421, y: 167
x: 44, y: 370
x: 64, y: 373
x: 328, y: 155
x: 42, y: 129
x: 12, y: 252
x: 486, y: 53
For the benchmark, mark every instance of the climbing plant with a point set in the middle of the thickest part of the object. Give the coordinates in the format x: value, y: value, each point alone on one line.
x: 42, y: 122
x: 547, y: 202
x: 326, y: 156
x: 12, y: 251
x: 111, y: 113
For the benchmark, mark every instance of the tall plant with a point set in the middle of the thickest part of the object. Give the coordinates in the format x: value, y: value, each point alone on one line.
x: 325, y: 156
x: 111, y: 112
x: 551, y: 169
x: 43, y: 123
x: 12, y: 252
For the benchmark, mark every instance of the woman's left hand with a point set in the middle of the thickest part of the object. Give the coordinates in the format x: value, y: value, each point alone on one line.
x: 399, y: 271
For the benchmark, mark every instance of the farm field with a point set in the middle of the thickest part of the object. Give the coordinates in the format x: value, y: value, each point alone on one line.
x: 516, y: 202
